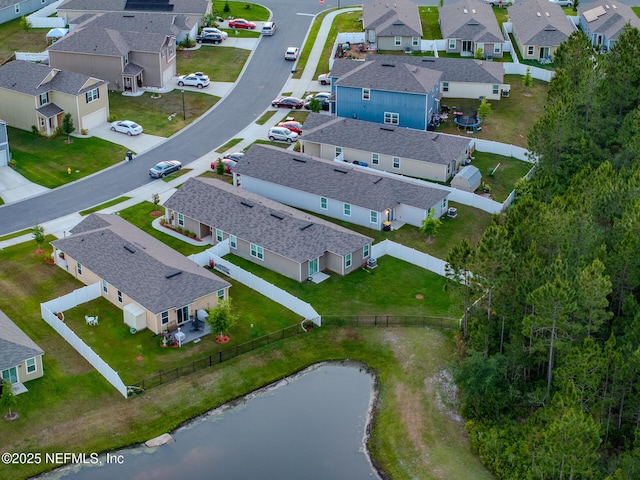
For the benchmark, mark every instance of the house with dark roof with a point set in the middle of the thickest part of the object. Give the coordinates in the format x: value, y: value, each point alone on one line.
x: 539, y: 27
x: 392, y: 25
x: 469, y: 25
x: 406, y: 91
x: 130, y: 51
x: 40, y: 95
x: 603, y: 20
x: 337, y: 189
x: 280, y: 238
x: 406, y: 151
x: 138, y: 273
x: 20, y: 357
x: 12, y: 9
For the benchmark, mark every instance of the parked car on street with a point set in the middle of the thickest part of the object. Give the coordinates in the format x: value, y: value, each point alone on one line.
x: 269, y: 28
x: 225, y: 35
x: 287, y: 102
x: 291, y: 53
x: 126, y: 126
x: 193, y: 80
x: 241, y: 23
x: 282, y: 134
x: 163, y: 169
x: 292, y: 125
x: 214, y: 38
x: 499, y: 3
x: 563, y: 3
x: 324, y: 79
x: 227, y: 162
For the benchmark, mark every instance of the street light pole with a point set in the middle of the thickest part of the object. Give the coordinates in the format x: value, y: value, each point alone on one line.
x: 184, y: 113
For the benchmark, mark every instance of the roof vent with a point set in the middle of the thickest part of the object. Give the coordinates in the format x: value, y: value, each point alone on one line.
x: 429, y: 59
x: 339, y: 170
x: 473, y: 10
x: 388, y: 64
x: 547, y: 14
x: 377, y: 180
x: 304, y: 227
x: 278, y: 216
x: 246, y: 204
x: 130, y: 248
x: 175, y: 273
x: 388, y: 129
x: 464, y: 10
x: 301, y: 160
x: 538, y: 14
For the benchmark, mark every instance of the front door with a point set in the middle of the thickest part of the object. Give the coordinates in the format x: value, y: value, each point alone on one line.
x: 467, y: 45
x: 10, y: 375
x: 544, y: 52
x: 182, y: 314
x: 313, y: 266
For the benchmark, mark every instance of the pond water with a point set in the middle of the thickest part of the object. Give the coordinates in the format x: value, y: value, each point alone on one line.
x: 310, y: 426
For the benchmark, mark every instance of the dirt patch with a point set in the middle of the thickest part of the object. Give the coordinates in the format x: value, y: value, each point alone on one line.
x: 38, y: 251
x: 155, y: 213
x: 412, y: 417
x: 444, y: 390
x: 419, y: 296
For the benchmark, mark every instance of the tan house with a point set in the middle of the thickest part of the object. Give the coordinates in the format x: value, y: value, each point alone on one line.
x: 33, y: 94
x: 392, y: 25
x: 150, y: 281
x: 20, y: 357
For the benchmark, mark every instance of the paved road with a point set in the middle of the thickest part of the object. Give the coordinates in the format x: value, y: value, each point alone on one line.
x: 265, y: 75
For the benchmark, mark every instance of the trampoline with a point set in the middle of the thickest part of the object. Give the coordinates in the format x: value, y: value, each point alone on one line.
x: 467, y: 121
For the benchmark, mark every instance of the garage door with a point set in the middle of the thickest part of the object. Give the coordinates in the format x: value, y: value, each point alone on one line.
x: 168, y: 75
x: 94, y: 119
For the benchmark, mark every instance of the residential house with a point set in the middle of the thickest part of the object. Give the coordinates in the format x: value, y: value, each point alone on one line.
x: 20, y: 357
x: 407, y: 151
x: 130, y: 51
x: 471, y: 25
x: 277, y: 237
x: 12, y: 9
x: 138, y: 273
x: 5, y: 154
x: 406, y: 91
x: 34, y: 94
x: 392, y: 25
x: 603, y: 20
x: 72, y: 9
x: 538, y: 27
x: 337, y: 189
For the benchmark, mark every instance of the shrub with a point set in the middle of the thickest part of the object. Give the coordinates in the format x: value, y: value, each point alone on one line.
x: 226, y: 8
x: 84, y: 131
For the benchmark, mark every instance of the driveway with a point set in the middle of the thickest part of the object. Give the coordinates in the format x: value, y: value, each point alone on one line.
x: 138, y: 143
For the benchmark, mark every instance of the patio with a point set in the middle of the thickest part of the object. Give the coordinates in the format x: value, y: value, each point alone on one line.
x: 189, y: 331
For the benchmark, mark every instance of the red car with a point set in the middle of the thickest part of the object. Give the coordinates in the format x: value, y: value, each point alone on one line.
x: 287, y: 102
x: 241, y: 23
x: 228, y: 165
x: 292, y: 125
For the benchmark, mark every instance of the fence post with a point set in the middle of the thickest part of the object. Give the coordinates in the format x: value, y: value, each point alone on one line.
x: 220, y: 356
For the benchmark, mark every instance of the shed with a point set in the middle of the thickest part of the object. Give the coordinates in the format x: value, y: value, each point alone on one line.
x: 135, y: 317
x: 467, y: 179
x: 56, y: 33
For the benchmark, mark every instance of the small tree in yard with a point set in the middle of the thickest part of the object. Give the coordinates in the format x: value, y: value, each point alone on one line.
x: 8, y: 400
x: 527, y: 80
x: 484, y: 110
x: 226, y: 8
x: 478, y: 55
x: 430, y: 225
x: 38, y: 235
x: 67, y: 126
x: 222, y: 318
x: 219, y: 167
x: 155, y: 198
x: 315, y: 105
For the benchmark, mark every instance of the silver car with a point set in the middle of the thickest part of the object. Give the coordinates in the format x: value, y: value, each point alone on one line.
x: 163, y: 169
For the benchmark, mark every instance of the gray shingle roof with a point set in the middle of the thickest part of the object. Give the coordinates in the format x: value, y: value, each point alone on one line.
x: 189, y: 7
x: 396, y: 76
x: 616, y: 16
x: 142, y: 275
x: 267, y: 223
x: 140, y: 22
x: 338, y: 181
x: 420, y: 145
x: 540, y: 22
x: 392, y: 17
x: 28, y: 77
x: 470, y: 20
x: 15, y: 345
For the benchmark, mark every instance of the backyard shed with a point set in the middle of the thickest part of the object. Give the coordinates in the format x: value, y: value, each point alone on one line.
x: 467, y: 179
x: 56, y: 33
x: 135, y: 317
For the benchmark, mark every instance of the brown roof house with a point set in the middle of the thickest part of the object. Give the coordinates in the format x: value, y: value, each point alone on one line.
x: 280, y: 238
x: 407, y: 151
x: 469, y: 25
x: 392, y: 24
x: 20, y: 357
x: 603, y: 20
x: 129, y: 51
x: 150, y: 281
x: 36, y: 94
x: 539, y: 26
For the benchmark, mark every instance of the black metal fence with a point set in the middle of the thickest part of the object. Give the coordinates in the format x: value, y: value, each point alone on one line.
x: 443, y: 323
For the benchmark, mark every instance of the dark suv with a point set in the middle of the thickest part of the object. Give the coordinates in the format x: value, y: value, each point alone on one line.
x: 210, y: 38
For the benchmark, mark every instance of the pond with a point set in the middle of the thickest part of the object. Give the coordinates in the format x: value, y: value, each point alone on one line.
x: 312, y: 426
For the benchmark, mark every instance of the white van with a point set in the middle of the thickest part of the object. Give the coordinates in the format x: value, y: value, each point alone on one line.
x: 206, y: 30
x: 269, y: 28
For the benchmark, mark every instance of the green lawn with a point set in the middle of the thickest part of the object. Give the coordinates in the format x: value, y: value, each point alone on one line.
x: 303, y: 58
x: 430, y: 26
x: 250, y: 11
x: 221, y: 64
x: 505, y: 177
x: 342, y: 23
x: 110, y: 203
x: 264, y: 118
x: 241, y: 33
x: 15, y: 38
x: 46, y: 160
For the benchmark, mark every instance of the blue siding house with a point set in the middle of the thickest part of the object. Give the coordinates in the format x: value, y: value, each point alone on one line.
x: 12, y: 9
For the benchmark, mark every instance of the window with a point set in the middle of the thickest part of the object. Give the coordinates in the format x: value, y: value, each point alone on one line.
x: 181, y: 220
x: 233, y: 241
x: 365, y: 251
x: 496, y: 89
x: 415, y: 41
x: 396, y: 162
x: 347, y: 261
x: 496, y: 48
x: 375, y: 158
x: 338, y: 151
x: 105, y: 286
x: 220, y: 294
x: 373, y: 217
x: 444, y: 203
x: 347, y: 209
x: 31, y: 365
x: 323, y: 203
x: 79, y: 268
x: 257, y: 251
x: 17, y: 8
x: 530, y: 50
x: 44, y: 98
x: 398, y: 41
x: 125, y: 59
x: 164, y: 317
x: 92, y: 95
x: 445, y: 86
x: 366, y: 93
x: 119, y: 296
x: 218, y: 235
x: 391, y: 118
x: 452, y: 44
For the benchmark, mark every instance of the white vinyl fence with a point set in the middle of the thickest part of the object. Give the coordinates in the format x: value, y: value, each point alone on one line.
x: 41, y: 18
x: 33, y: 57
x: 77, y: 297
x: 423, y: 260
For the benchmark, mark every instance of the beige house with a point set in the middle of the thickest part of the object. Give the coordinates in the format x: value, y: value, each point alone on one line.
x: 20, y: 357
x: 147, y: 279
x: 392, y: 25
x: 33, y: 94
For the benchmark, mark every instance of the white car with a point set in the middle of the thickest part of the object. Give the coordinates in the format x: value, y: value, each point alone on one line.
x: 282, y: 134
x: 324, y: 79
x: 291, y: 53
x: 499, y: 3
x: 563, y: 3
x: 126, y: 126
x: 225, y: 35
x: 320, y: 96
x: 194, y: 80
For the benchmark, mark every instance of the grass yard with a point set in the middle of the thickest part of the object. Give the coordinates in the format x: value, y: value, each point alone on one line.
x: 229, y: 144
x: 297, y: 115
x: 221, y: 64
x: 250, y: 11
x: 303, y: 57
x: 503, y: 181
x: 430, y: 26
x: 154, y: 113
x: 45, y: 160
x: 110, y: 203
x: 13, y: 37
x: 265, y: 117
x: 241, y: 33
x: 342, y: 23
x: 284, y: 145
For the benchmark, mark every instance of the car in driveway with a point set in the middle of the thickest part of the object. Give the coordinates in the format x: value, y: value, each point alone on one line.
x: 205, y: 30
x: 193, y: 80
x: 292, y: 125
x: 227, y: 162
x: 563, y: 3
x: 324, y: 104
x: 291, y: 53
x: 126, y: 126
x: 163, y: 169
x: 324, y: 79
x: 214, y: 38
x: 282, y: 134
x: 241, y: 23
x: 235, y: 156
x: 499, y: 3
x: 287, y: 102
